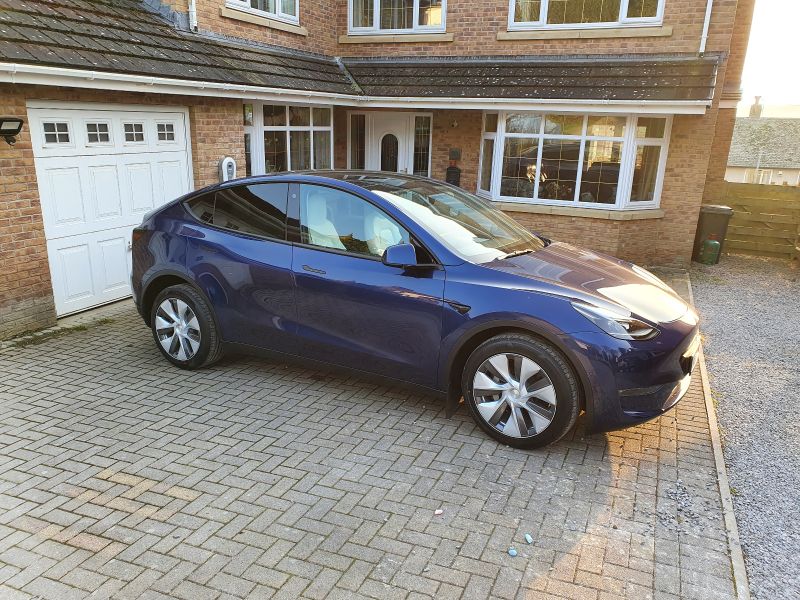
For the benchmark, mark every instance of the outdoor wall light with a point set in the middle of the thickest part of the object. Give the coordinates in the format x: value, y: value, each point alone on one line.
x: 10, y: 128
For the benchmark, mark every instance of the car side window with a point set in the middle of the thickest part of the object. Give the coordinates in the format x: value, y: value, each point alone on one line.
x: 258, y: 209
x: 331, y: 218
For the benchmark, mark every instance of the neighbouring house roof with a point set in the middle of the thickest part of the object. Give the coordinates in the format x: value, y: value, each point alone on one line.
x: 775, y: 141
x: 570, y: 78
x: 125, y: 36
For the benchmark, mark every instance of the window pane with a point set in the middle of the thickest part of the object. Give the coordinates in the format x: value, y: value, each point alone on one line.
x: 253, y: 209
x: 322, y: 117
x: 519, y: 167
x: 247, y: 115
x: 362, y: 13
x: 390, y: 147
x: 274, y: 151
x: 397, y: 14
x: 288, y: 7
x: 357, y: 141
x: 650, y: 127
x: 301, y: 150
x: 422, y: 145
x: 322, y: 149
x: 522, y: 123
x: 331, y: 218
x: 527, y: 10
x: 486, y: 165
x: 582, y: 11
x: 274, y: 115
x: 248, y: 155
x: 645, y: 173
x: 600, y: 176
x: 606, y: 126
x: 559, y: 174
x: 640, y: 9
x: 265, y: 5
x: 430, y: 12
x: 563, y: 125
x: 490, y: 123
x: 202, y: 207
x: 299, y: 116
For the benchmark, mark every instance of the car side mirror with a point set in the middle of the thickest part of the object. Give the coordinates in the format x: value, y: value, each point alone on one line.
x: 400, y: 255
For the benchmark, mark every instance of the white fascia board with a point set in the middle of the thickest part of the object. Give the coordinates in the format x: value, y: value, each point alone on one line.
x: 97, y: 80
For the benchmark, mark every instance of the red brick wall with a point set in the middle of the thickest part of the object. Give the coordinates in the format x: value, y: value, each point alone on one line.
x: 26, y: 300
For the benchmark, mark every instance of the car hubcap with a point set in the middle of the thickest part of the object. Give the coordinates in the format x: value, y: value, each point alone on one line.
x: 178, y: 329
x: 514, y: 395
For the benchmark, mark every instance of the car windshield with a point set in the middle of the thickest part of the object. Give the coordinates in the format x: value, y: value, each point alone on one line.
x: 468, y: 226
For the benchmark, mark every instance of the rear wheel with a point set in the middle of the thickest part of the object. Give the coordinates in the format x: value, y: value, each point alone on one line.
x: 184, y: 328
x: 521, y: 391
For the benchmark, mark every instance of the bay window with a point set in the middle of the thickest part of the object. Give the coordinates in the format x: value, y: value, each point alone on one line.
x: 569, y: 14
x: 396, y: 16
x: 287, y: 138
x: 593, y: 161
x: 283, y: 10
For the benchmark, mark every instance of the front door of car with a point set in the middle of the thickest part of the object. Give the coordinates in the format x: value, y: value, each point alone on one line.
x: 352, y: 309
x: 242, y: 261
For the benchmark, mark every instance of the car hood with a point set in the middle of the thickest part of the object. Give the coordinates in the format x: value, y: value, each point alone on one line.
x: 595, y: 278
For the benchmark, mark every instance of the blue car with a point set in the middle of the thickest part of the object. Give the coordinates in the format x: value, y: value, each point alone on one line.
x: 417, y: 281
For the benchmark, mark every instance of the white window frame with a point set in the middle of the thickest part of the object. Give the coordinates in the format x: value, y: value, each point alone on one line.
x: 257, y: 129
x: 622, y: 21
x: 278, y: 15
x: 627, y: 160
x: 134, y: 142
x: 174, y: 132
x: 70, y: 143
x: 375, y: 29
x: 106, y: 122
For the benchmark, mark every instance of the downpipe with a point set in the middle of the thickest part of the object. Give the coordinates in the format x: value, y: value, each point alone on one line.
x: 193, y: 15
x: 706, y: 27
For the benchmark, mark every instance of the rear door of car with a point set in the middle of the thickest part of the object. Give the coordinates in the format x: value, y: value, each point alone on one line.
x: 352, y: 309
x: 241, y: 258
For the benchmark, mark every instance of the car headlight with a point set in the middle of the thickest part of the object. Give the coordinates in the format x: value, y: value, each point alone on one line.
x: 621, y: 325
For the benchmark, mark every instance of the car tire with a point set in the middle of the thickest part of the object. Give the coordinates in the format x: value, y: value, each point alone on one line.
x: 195, y: 342
x: 545, y: 405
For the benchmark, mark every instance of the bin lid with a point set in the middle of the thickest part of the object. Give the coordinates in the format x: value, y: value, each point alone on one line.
x: 717, y: 209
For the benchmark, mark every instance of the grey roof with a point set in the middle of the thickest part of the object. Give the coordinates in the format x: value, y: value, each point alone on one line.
x: 776, y: 141
x: 127, y: 36
x: 123, y: 36
x: 642, y: 77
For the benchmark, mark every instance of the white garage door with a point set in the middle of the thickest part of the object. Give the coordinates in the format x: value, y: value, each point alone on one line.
x: 99, y: 170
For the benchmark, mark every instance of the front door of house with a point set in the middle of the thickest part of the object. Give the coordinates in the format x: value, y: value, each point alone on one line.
x: 397, y: 142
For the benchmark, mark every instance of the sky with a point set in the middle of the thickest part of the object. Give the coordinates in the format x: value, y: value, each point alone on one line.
x: 771, y: 67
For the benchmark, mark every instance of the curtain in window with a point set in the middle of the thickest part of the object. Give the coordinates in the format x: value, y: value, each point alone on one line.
x: 527, y: 11
x: 397, y: 14
x: 430, y: 12
x: 561, y: 12
x: 362, y: 13
x: 265, y: 5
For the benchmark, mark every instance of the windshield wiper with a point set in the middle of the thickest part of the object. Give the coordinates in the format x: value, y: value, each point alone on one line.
x: 518, y: 253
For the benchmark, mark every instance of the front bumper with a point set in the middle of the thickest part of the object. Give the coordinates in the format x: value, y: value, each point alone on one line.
x: 632, y: 382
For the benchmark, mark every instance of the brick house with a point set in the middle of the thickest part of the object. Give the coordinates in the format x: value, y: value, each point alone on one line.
x: 605, y: 122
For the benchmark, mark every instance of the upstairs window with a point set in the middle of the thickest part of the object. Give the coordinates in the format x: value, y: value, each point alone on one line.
x: 283, y: 10
x: 396, y: 16
x: 570, y: 14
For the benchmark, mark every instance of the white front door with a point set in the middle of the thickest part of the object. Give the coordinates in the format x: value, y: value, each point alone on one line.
x: 398, y: 142
x: 99, y: 169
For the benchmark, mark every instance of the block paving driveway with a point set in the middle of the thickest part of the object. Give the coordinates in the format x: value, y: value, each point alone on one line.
x: 123, y: 477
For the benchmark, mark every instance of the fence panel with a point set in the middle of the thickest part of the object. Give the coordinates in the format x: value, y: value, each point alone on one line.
x: 766, y: 220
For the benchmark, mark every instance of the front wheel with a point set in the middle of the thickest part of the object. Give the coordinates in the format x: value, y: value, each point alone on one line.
x: 521, y: 391
x: 184, y: 328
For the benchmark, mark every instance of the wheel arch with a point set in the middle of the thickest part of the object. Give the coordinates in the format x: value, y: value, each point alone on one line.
x: 161, y: 282
x: 467, y: 345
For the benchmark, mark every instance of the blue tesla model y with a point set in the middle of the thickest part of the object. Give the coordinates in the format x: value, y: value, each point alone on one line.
x: 414, y: 280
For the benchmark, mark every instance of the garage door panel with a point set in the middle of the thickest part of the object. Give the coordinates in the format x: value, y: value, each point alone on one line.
x: 113, y: 263
x: 72, y: 269
x: 171, y: 176
x: 139, y: 177
x: 97, y: 178
x: 105, y: 191
x: 65, y: 189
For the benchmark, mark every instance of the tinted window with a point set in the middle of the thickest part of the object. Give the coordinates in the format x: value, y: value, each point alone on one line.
x: 250, y: 209
x: 334, y: 219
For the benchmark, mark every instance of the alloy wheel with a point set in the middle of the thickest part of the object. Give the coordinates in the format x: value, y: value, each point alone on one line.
x: 514, y: 395
x: 178, y: 329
